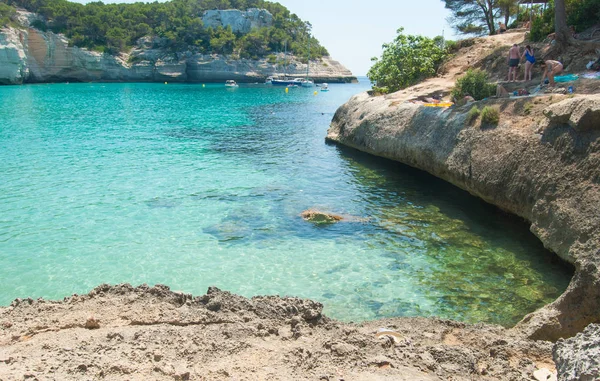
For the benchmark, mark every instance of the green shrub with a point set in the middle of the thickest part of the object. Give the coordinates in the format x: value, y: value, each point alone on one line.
x: 542, y: 27
x: 39, y: 24
x: 581, y: 14
x: 272, y: 58
x: 451, y: 46
x: 490, y: 115
x: 408, y: 60
x: 527, y: 108
x: 7, y: 14
x: 473, y: 114
x: 474, y: 83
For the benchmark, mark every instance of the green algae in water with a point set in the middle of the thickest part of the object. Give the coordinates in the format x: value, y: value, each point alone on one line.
x: 476, y: 263
x: 195, y: 186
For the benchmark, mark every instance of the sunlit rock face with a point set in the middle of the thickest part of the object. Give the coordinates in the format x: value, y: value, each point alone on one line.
x: 239, y: 21
x: 13, y: 61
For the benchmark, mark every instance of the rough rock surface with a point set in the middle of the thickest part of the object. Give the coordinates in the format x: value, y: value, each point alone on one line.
x: 546, y: 171
x: 151, y: 333
x: 578, y: 358
x: 239, y: 21
x: 28, y: 55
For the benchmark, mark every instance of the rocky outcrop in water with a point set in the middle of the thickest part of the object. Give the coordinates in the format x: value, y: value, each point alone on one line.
x: 28, y: 55
x: 545, y: 169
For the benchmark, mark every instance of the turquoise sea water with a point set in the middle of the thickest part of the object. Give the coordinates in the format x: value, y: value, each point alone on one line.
x: 195, y: 186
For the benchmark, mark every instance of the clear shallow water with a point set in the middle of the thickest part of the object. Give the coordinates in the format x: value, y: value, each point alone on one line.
x: 194, y: 187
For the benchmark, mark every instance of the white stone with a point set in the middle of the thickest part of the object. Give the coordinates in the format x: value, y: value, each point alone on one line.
x: 544, y: 374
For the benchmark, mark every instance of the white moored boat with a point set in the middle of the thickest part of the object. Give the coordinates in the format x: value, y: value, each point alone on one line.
x: 231, y: 83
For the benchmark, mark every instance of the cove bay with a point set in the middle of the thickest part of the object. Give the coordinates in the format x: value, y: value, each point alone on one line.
x: 196, y: 186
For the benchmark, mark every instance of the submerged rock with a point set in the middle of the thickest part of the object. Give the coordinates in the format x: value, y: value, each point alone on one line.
x: 319, y: 217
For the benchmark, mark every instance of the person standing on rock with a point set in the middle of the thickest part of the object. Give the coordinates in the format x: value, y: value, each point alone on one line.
x: 514, y: 56
x: 529, y: 62
x: 551, y: 69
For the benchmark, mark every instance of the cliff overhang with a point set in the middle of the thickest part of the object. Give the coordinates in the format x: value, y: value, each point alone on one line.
x: 544, y: 169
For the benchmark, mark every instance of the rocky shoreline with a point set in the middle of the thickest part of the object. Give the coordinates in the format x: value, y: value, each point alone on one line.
x: 126, y: 333
x: 541, y: 164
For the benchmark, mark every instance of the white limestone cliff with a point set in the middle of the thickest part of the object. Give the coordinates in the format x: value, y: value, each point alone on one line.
x: 28, y: 55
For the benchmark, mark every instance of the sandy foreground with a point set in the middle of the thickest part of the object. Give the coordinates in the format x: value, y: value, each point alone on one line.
x: 151, y: 333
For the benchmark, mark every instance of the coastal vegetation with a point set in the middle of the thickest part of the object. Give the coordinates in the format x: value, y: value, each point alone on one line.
x: 114, y: 28
x: 490, y: 115
x: 406, y: 61
x: 478, y: 17
x: 581, y: 14
x: 473, y: 114
x: 7, y: 13
x: 475, y: 84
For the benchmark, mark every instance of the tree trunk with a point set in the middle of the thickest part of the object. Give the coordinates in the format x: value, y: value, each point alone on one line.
x: 490, y: 6
x: 563, y: 34
x: 489, y: 15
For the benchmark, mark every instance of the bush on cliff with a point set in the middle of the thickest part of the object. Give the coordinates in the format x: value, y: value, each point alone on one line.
x: 474, y: 83
x: 473, y: 114
x: 405, y: 62
x: 490, y: 115
x: 7, y: 13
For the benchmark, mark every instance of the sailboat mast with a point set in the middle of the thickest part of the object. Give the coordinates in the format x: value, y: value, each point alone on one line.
x: 285, y: 59
x: 308, y: 60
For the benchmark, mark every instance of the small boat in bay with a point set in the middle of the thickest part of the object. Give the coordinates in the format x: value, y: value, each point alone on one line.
x: 231, y: 83
x: 324, y: 87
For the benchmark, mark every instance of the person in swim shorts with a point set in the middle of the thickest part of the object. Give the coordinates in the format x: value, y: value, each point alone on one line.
x: 514, y: 57
x: 552, y: 68
x: 529, y: 62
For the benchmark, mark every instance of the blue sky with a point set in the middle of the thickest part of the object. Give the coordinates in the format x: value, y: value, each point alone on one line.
x: 354, y: 30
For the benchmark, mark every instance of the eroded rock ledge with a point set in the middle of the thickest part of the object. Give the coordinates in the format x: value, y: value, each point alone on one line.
x: 545, y: 169
x: 153, y: 333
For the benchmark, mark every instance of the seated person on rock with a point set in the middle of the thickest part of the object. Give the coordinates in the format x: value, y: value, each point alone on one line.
x: 501, y: 92
x: 501, y: 27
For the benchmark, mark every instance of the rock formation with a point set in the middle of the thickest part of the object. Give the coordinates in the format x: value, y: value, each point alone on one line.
x: 546, y: 171
x: 153, y: 333
x: 239, y: 21
x: 578, y: 358
x: 28, y: 55
x: 13, y: 60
